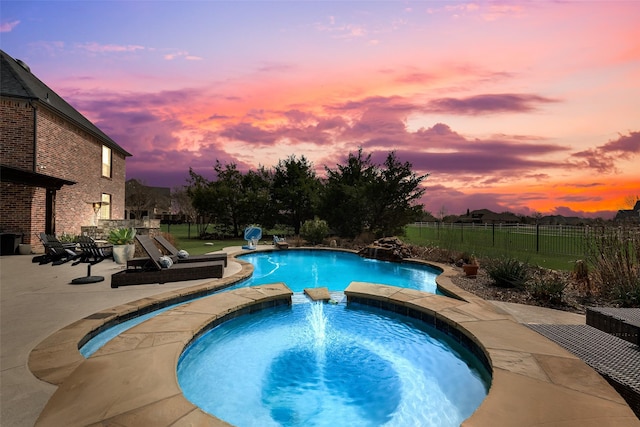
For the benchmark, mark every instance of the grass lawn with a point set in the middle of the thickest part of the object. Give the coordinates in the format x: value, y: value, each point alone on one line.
x: 194, y: 246
x: 480, y: 245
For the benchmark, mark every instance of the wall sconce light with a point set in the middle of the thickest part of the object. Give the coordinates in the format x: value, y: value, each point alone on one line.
x: 96, y: 210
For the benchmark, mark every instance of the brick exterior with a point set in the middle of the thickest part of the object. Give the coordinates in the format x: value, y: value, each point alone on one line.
x: 16, y: 134
x: 63, y: 150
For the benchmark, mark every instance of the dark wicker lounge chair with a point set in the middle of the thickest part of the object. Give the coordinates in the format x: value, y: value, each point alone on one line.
x: 617, y: 360
x: 621, y: 322
x: 148, y: 270
x: 173, y: 251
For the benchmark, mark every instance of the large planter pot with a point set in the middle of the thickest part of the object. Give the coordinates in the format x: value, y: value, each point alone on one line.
x: 470, y: 269
x: 123, y: 253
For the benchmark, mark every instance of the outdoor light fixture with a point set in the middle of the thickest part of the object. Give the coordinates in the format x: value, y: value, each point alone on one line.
x: 96, y: 209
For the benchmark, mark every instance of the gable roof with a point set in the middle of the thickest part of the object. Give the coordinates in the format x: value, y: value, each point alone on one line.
x: 17, y: 81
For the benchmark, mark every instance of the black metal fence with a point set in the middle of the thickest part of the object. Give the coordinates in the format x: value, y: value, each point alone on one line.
x: 535, y: 238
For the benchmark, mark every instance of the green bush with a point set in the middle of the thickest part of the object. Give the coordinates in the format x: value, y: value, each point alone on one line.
x: 314, y: 231
x: 548, y: 290
x: 508, y: 272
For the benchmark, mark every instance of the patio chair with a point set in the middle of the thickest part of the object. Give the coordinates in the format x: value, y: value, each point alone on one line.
x: 55, y: 252
x: 280, y: 242
x: 91, y: 254
x: 173, y: 251
x: 148, y: 270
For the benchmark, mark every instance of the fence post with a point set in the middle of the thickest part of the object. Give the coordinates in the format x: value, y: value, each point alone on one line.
x: 493, y: 234
x: 537, y: 238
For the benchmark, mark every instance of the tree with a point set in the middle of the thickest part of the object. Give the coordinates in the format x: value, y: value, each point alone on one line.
x: 230, y: 197
x: 257, y: 204
x: 140, y: 199
x: 394, y: 197
x: 181, y: 204
x: 295, y: 191
x: 203, y: 200
x: 345, y: 202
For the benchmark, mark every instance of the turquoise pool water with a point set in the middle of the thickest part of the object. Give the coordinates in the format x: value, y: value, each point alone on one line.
x: 300, y: 269
x: 315, y: 364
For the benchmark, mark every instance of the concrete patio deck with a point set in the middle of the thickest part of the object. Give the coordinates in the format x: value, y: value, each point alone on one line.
x: 532, y: 375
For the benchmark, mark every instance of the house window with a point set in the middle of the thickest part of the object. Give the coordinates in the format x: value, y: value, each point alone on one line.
x: 105, y: 208
x: 106, y: 161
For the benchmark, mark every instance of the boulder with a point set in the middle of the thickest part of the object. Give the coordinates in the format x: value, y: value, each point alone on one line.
x: 386, y: 249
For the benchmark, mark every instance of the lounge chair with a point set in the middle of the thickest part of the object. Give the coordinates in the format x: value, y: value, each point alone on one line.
x: 280, y: 242
x: 148, y: 270
x: 55, y: 252
x: 91, y: 254
x: 173, y: 251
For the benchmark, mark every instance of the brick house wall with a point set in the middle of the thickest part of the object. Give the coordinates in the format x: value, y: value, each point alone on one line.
x: 16, y: 130
x: 48, y: 148
x: 66, y: 151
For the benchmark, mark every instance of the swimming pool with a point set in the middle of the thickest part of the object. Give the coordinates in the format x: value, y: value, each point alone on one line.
x: 308, y: 268
x: 326, y: 365
x: 300, y: 269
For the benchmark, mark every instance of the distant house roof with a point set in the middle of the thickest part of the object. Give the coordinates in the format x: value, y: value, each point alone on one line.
x: 629, y: 213
x: 487, y: 216
x: 17, y: 81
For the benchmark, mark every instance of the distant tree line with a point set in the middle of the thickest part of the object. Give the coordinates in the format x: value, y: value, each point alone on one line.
x: 354, y: 197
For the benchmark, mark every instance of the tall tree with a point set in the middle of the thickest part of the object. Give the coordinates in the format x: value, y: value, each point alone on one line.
x: 203, y: 200
x: 230, y: 197
x: 345, y: 203
x: 257, y: 203
x: 295, y: 190
x: 181, y: 204
x: 394, y: 197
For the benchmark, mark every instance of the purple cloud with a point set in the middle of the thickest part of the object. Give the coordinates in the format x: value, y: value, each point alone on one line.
x: 604, y: 157
x: 488, y: 103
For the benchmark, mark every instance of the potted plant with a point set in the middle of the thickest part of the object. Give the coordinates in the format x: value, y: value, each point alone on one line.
x: 122, y: 240
x: 471, y: 266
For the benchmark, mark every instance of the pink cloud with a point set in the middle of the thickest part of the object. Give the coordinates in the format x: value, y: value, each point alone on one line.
x: 108, y: 48
x: 8, y: 26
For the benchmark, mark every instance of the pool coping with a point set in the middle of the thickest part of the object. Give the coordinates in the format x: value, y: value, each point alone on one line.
x: 132, y: 379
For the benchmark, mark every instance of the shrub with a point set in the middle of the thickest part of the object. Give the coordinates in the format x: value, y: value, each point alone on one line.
x: 614, y: 257
x: 508, y: 272
x: 314, y: 230
x: 68, y: 238
x: 581, y: 276
x: 548, y: 289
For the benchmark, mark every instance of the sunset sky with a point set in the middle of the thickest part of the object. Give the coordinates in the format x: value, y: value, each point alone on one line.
x: 519, y: 106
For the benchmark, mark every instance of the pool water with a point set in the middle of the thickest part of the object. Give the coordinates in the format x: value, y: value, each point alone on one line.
x: 315, y: 364
x: 300, y: 269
